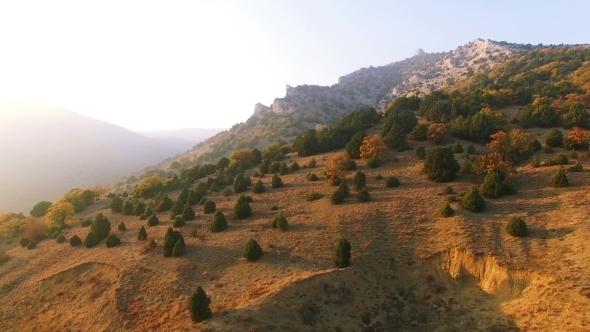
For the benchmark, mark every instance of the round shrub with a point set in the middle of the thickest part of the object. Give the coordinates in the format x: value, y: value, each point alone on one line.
x: 242, y: 209
x: 493, y: 184
x: 343, y: 187
x: 23, y: 242
x: 360, y: 180
x: 342, y: 254
x: 219, y: 222
x: 294, y: 167
x: 171, y: 240
x: 535, y: 163
x: 203, y: 201
x: 392, y: 182
x: 312, y: 177
x: 554, y: 138
x: 363, y: 195
x: 334, y: 180
x: 447, y: 210
x: 227, y: 192
x: 373, y: 163
x: 85, y: 223
x: 179, y: 248
x: 198, y: 306
x: 153, y: 220
x: 32, y: 245
x: 379, y: 177
x: 561, y: 160
x: 209, y: 207
x: 101, y: 226
x: 276, y: 182
x: 258, y: 188
x: 559, y: 179
x: 253, y: 251
x: 122, y: 227
x: 313, y: 197
x: 240, y: 184
x: 351, y: 166
x: 75, y: 241
x: 470, y: 149
x: 472, y: 200
x: 283, y: 169
x: 112, y: 240
x: 457, y: 147
x: 516, y: 227
x: 60, y: 239
x: 142, y: 234
x: 280, y: 222
x: 90, y: 240
x: 576, y: 168
x: 337, y: 197
x: 440, y: 165
x: 178, y: 222
x: 188, y: 213
x: 448, y: 190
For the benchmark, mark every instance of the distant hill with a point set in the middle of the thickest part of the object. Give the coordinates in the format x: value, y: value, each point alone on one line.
x: 47, y: 151
x: 183, y: 137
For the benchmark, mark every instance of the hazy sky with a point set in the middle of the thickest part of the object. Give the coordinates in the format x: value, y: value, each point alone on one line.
x: 148, y: 65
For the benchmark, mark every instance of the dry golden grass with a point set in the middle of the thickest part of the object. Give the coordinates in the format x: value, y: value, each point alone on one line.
x: 411, y: 269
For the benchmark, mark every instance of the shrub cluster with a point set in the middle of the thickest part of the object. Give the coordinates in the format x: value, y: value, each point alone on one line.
x: 173, y: 243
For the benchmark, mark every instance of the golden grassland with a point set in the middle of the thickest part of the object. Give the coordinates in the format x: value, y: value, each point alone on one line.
x: 411, y: 269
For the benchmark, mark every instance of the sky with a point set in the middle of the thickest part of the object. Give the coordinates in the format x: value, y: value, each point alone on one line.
x: 150, y: 65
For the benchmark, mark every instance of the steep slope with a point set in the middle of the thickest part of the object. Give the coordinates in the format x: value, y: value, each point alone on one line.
x: 47, y: 151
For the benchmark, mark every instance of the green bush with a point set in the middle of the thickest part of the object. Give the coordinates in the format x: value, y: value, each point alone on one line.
x: 209, y: 207
x: 112, y: 240
x: 178, y: 222
x: 75, y: 241
x: 90, y: 240
x: 60, y: 239
x: 379, y: 177
x: 101, y: 227
x: 240, y: 184
x: 440, y: 165
x: 373, y: 163
x: 198, y: 306
x: 573, y: 154
x: 179, y: 248
x: 548, y: 149
x: 472, y: 200
x: 23, y: 242
x: 274, y: 207
x: 554, y: 138
x: 227, y: 192
x: 188, y: 213
x: 153, y: 220
x: 363, y: 195
x: 448, y: 190
x: 283, y: 169
x: 561, y: 160
x: 203, y: 201
x: 276, y: 182
x: 171, y: 239
x: 493, y: 184
x: 471, y: 149
x: 312, y: 177
x: 516, y: 227
x: 457, y: 147
x: 122, y: 227
x: 313, y: 197
x: 419, y: 133
x: 253, y: 251
x: 294, y: 167
x: 258, y: 188
x: 280, y: 222
x: 535, y: 163
x: 242, y: 209
x: 447, y: 210
x: 219, y: 222
x: 343, y: 187
x: 116, y: 204
x: 40, y: 209
x: 165, y: 204
x: 342, y: 254
x: 354, y: 145
x: 142, y: 234
x: 351, y: 166
x: 549, y: 162
x: 312, y: 163
x: 32, y: 245
x: 85, y: 223
x: 127, y: 208
x: 421, y: 152
x: 360, y: 180
x: 536, y: 145
x: 576, y: 168
x: 559, y: 179
x: 392, y: 182
x: 337, y: 197
x: 139, y: 209
x: 334, y: 180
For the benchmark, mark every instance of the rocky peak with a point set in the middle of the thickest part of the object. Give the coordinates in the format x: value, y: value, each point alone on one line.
x: 419, y: 52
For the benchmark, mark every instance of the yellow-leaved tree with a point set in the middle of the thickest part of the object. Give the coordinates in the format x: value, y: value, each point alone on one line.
x: 59, y: 213
x: 338, y: 164
x: 98, y: 191
x: 373, y: 147
x: 243, y: 158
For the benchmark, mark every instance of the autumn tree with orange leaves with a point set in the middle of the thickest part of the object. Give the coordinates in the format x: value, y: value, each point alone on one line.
x: 373, y: 147
x: 512, y: 146
x: 337, y: 165
x: 577, y: 139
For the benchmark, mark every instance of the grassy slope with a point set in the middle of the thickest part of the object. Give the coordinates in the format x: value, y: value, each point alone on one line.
x: 406, y: 272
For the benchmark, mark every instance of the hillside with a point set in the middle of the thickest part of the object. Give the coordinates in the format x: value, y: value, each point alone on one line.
x: 52, y: 150
x: 465, y: 212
